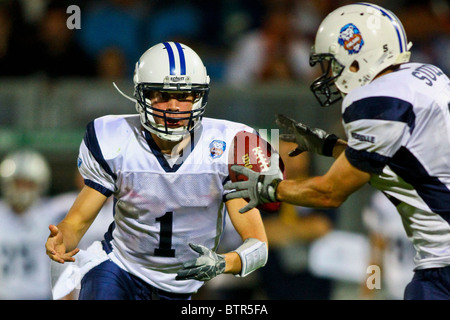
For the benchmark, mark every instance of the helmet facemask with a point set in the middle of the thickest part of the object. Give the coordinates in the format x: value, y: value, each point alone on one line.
x: 150, y: 113
x: 324, y: 87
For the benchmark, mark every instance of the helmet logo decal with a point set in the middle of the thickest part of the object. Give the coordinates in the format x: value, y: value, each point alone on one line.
x: 217, y: 148
x: 350, y: 38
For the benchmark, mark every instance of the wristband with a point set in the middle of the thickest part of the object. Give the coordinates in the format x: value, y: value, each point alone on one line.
x: 328, y: 145
x: 272, y: 189
x: 253, y: 254
x: 269, y: 194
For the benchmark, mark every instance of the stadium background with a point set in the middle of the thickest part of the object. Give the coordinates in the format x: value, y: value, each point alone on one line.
x: 46, y: 106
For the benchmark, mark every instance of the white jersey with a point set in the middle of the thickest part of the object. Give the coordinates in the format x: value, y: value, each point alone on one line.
x: 24, y: 265
x: 398, y: 128
x: 162, y: 204
x: 380, y: 217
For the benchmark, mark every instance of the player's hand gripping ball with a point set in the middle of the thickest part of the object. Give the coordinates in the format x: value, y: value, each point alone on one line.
x: 251, y: 151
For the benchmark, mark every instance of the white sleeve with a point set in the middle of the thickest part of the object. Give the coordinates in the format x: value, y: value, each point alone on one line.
x: 380, y: 136
x: 94, y: 169
x: 376, y: 128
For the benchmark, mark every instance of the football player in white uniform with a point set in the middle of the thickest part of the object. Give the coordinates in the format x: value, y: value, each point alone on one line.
x: 390, y: 247
x: 166, y: 168
x: 25, y: 213
x: 397, y: 120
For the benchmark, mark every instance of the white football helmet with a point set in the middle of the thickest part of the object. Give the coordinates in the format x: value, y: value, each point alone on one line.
x: 24, y: 165
x: 363, y: 35
x: 170, y: 67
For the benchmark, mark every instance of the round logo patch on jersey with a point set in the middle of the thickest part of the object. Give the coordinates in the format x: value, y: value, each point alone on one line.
x: 217, y: 148
x: 350, y: 38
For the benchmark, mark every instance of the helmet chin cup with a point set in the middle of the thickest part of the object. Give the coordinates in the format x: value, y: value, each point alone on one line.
x: 161, y: 131
x: 149, y: 113
x: 172, y: 137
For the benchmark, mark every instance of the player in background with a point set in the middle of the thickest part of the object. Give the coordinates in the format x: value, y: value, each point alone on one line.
x: 25, y: 213
x: 165, y: 167
x: 390, y: 248
x: 397, y: 121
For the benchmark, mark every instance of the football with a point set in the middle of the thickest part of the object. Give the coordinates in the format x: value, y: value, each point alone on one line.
x: 251, y: 151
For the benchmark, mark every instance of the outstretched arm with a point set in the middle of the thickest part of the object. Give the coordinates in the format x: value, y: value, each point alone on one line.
x: 62, y: 242
x: 327, y: 191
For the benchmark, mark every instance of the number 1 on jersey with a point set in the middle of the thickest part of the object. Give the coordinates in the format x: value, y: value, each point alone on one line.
x: 165, y: 238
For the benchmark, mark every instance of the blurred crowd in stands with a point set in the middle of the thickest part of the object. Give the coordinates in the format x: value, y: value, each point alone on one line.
x: 240, y: 41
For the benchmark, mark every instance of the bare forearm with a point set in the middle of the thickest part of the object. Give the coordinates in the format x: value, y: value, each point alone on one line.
x: 308, y: 193
x: 81, y: 216
x: 233, y: 263
x: 72, y: 234
x: 327, y: 191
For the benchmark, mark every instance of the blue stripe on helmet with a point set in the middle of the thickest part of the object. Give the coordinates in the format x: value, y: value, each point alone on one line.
x: 395, y: 22
x: 171, y: 58
x: 182, y: 59
x: 400, y: 26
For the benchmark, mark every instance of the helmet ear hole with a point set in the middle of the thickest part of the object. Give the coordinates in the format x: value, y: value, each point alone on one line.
x: 354, y: 67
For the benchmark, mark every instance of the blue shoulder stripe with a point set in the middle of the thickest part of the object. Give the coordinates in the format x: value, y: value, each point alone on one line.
x: 106, y: 192
x: 371, y: 162
x: 381, y: 108
x: 435, y: 193
x: 90, y: 139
